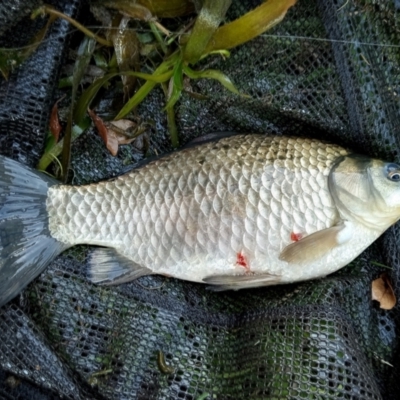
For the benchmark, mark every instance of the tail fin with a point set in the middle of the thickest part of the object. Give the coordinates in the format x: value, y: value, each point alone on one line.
x: 26, y: 246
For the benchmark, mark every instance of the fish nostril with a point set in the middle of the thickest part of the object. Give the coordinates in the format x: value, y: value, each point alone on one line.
x: 392, y: 167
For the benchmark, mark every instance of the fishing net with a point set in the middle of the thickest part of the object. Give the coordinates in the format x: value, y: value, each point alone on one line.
x: 330, y: 70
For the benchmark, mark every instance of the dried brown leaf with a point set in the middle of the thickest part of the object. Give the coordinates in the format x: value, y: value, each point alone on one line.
x: 123, y: 124
x: 382, y: 292
x: 119, y: 133
x: 127, y: 52
x: 110, y: 141
x: 114, y: 133
x: 54, y: 125
x: 124, y: 130
x: 130, y: 9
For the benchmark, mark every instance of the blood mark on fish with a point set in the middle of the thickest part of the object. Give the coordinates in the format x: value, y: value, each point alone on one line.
x: 295, y: 237
x: 241, y: 260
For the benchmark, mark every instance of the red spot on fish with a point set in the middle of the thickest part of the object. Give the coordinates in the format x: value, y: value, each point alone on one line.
x: 295, y: 237
x: 241, y: 260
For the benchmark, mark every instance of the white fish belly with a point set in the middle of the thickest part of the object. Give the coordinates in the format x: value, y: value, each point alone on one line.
x: 220, y: 208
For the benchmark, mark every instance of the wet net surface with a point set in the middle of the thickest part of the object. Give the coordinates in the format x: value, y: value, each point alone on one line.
x: 330, y: 70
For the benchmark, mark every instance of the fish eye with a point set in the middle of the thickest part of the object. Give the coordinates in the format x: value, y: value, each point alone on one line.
x: 393, y: 172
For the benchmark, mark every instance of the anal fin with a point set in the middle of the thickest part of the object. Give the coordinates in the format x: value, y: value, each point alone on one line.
x: 108, y: 267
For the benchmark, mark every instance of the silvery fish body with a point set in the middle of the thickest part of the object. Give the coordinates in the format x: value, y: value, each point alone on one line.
x: 242, y: 211
x: 223, y: 208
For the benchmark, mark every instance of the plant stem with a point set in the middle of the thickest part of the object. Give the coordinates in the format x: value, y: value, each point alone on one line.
x: 211, y: 15
x: 158, y: 37
x: 53, y: 12
x: 171, y: 122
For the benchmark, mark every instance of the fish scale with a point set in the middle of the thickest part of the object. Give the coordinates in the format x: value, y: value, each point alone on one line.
x: 191, y: 213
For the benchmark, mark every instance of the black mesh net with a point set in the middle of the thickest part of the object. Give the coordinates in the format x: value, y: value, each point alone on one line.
x: 330, y: 70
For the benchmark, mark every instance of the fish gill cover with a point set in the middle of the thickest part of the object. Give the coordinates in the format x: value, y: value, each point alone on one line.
x: 329, y: 70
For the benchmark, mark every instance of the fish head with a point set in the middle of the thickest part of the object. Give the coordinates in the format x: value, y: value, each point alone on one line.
x: 366, y: 190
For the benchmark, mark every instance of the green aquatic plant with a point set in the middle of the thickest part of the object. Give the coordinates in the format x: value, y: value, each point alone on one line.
x: 176, y: 54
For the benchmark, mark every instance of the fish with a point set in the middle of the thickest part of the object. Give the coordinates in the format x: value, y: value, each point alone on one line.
x: 232, y: 211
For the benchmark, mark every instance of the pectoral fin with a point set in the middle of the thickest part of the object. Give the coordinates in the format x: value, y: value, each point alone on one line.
x: 108, y: 267
x: 236, y: 282
x: 317, y: 245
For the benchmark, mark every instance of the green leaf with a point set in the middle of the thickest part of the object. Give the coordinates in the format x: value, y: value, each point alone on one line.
x: 100, y: 60
x: 250, y: 25
x: 176, y: 86
x: 160, y: 75
x: 50, y: 142
x: 54, y: 149
x: 65, y: 82
x: 134, y: 101
x: 89, y: 94
x: 158, y: 37
x: 85, y: 52
x: 211, y: 74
